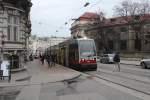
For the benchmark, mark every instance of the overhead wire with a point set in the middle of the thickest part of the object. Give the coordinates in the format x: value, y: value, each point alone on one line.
x: 87, y: 4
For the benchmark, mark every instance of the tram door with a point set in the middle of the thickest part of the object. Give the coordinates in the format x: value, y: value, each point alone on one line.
x: 61, y: 56
x: 67, y: 56
x: 64, y: 58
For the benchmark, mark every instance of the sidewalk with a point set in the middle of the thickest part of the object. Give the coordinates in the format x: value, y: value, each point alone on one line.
x: 18, y: 76
x: 41, y: 74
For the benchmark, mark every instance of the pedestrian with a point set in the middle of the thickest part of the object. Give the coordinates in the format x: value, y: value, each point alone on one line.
x: 25, y: 59
x: 116, y: 62
x: 42, y: 59
x: 53, y: 59
x: 40, y: 56
x: 1, y: 60
x: 48, y: 58
x: 31, y: 57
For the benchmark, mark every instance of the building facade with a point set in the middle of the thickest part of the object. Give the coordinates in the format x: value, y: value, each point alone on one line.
x: 117, y: 35
x: 128, y: 38
x: 80, y: 26
x: 15, y: 28
x: 38, y: 45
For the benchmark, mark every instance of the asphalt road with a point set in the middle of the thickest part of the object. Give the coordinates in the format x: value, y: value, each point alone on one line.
x: 126, y: 69
x: 132, y: 77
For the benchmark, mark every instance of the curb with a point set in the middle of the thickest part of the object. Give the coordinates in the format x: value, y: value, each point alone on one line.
x: 18, y: 70
x: 130, y: 64
x: 72, y: 78
x: 64, y: 80
x: 23, y: 79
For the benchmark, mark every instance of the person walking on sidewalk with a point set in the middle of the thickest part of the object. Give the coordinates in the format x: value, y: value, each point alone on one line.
x: 48, y: 58
x: 53, y: 59
x: 42, y: 59
x: 1, y: 60
x: 31, y: 57
x: 40, y: 56
x: 116, y: 62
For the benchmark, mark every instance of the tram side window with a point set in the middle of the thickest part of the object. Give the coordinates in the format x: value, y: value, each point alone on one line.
x: 76, y: 52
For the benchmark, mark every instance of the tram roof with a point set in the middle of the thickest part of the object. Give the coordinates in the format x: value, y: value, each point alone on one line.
x: 73, y: 40
x: 67, y: 42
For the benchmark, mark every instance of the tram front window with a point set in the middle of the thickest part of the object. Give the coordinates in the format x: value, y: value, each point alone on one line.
x: 87, y: 48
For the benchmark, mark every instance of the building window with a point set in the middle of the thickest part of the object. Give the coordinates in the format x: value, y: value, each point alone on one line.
x: 147, y: 36
x: 123, y: 45
x: 137, y: 44
x: 123, y: 29
x: 111, y: 45
x: 110, y: 30
x: 9, y: 33
x: 15, y: 33
x: 112, y: 20
x: 147, y: 26
x: 13, y: 28
x: 137, y: 18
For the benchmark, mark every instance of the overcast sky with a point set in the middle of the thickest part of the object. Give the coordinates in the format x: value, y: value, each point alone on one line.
x: 50, y: 15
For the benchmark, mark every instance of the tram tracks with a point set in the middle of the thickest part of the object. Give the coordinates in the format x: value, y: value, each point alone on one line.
x: 125, y: 75
x: 121, y: 83
x: 130, y: 70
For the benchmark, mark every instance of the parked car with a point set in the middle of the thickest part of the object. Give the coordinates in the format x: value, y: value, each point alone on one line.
x: 145, y: 63
x: 98, y: 59
x: 107, y: 58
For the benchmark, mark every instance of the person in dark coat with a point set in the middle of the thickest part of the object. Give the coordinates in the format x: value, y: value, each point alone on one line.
x: 53, y: 59
x: 48, y: 58
x: 31, y: 57
x: 42, y: 59
x: 1, y: 60
x: 117, y: 62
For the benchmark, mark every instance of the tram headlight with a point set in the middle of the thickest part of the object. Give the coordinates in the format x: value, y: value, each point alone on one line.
x: 82, y: 60
x: 84, y: 37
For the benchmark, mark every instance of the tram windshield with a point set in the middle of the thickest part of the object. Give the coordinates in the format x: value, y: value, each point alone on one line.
x: 87, y: 48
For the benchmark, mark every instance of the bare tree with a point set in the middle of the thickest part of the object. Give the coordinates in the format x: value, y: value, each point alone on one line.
x: 134, y: 14
x: 102, y: 38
